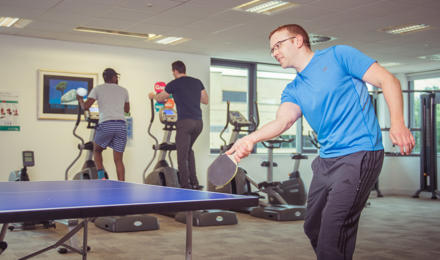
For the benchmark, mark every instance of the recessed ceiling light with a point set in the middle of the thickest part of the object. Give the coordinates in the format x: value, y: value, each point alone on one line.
x: 148, y: 36
x: 389, y: 64
x: 264, y: 6
x: 172, y: 40
x: 22, y: 23
x: 434, y: 57
x: 8, y: 21
x: 402, y: 29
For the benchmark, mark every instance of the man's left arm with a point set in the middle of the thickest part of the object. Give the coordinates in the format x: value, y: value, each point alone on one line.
x: 400, y: 135
x: 204, y: 99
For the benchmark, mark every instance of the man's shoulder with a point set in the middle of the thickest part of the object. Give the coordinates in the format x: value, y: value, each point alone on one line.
x: 185, y: 80
x: 109, y: 87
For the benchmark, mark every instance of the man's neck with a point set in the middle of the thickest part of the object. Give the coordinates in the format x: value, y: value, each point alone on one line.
x: 179, y: 75
x: 303, y: 60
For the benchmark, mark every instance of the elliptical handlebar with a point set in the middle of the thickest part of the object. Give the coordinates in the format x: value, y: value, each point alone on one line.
x: 254, y: 123
x: 227, y: 122
x: 276, y: 143
x: 144, y: 174
x: 152, y: 112
x: 80, y: 146
x: 314, y: 139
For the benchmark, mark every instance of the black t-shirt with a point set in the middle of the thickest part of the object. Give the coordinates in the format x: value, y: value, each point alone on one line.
x: 186, y: 92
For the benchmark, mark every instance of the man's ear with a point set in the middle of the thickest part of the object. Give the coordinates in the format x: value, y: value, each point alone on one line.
x: 299, y: 41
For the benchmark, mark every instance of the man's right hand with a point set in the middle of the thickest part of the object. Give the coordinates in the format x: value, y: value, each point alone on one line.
x: 242, y: 148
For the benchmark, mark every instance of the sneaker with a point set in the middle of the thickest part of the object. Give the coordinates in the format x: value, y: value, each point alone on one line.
x: 197, y: 187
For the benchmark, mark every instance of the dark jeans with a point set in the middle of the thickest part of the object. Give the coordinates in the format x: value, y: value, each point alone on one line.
x: 339, y: 190
x: 187, y: 132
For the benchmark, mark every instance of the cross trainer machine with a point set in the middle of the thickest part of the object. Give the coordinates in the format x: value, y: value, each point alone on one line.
x: 286, y: 199
x: 164, y: 174
x: 240, y: 184
x: 88, y: 170
x: 428, y: 149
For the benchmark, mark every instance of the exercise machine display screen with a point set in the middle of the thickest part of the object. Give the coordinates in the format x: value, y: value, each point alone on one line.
x: 28, y: 158
x: 169, y: 112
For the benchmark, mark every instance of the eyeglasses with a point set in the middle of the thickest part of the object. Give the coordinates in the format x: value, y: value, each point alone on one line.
x: 277, y: 45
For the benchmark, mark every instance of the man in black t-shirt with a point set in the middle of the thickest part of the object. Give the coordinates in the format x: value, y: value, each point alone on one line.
x: 188, y: 93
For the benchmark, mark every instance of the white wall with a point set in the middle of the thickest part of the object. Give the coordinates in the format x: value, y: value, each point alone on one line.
x: 52, y: 140
x: 55, y: 147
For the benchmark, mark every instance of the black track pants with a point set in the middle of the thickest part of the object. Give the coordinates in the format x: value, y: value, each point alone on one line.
x: 339, y: 190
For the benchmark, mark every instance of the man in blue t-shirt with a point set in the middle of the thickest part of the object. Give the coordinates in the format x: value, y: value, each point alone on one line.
x: 330, y: 91
x: 188, y: 93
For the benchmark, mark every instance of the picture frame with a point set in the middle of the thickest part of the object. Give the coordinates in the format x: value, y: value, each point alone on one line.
x: 57, y: 93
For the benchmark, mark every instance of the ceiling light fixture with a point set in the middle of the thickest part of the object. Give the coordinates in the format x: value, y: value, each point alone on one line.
x: 22, y: 23
x: 8, y: 21
x: 148, y: 36
x: 402, y: 29
x: 267, y: 7
x: 434, y: 57
x: 389, y: 64
x: 172, y: 40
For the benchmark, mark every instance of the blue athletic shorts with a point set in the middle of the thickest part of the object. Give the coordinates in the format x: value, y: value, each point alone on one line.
x: 112, y: 133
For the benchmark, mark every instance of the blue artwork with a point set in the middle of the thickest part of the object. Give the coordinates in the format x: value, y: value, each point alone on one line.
x: 63, y: 91
x: 59, y: 94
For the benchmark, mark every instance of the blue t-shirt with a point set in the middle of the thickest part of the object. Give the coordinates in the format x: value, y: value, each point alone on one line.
x: 186, y: 93
x: 335, y: 101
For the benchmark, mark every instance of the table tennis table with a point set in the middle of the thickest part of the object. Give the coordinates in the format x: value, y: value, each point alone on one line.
x: 87, y: 199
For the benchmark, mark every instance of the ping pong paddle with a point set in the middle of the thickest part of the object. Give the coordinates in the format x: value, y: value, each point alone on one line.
x: 222, y: 170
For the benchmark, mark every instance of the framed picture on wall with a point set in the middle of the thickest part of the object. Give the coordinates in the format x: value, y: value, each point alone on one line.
x: 57, y: 93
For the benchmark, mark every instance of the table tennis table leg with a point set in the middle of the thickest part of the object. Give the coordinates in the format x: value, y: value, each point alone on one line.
x: 189, y: 222
x: 3, y: 244
x: 85, y: 231
x: 3, y: 231
x: 65, y: 238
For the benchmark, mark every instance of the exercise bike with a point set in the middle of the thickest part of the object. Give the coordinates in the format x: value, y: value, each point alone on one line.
x: 285, y: 200
x: 164, y: 174
x: 22, y: 175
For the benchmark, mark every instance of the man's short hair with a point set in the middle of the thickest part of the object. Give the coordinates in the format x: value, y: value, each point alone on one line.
x: 179, y: 66
x: 108, y: 74
x: 294, y: 29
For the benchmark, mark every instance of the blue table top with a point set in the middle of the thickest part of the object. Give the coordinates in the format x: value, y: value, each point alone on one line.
x: 21, y: 201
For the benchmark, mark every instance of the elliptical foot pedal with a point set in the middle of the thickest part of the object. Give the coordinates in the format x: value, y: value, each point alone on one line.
x: 129, y: 223
x: 203, y: 218
x: 280, y: 212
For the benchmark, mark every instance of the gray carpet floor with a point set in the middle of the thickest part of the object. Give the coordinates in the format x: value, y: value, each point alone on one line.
x: 390, y: 228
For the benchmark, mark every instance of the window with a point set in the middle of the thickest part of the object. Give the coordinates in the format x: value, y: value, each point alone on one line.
x: 271, y: 81
x: 421, y: 85
x: 239, y: 82
x: 226, y: 83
